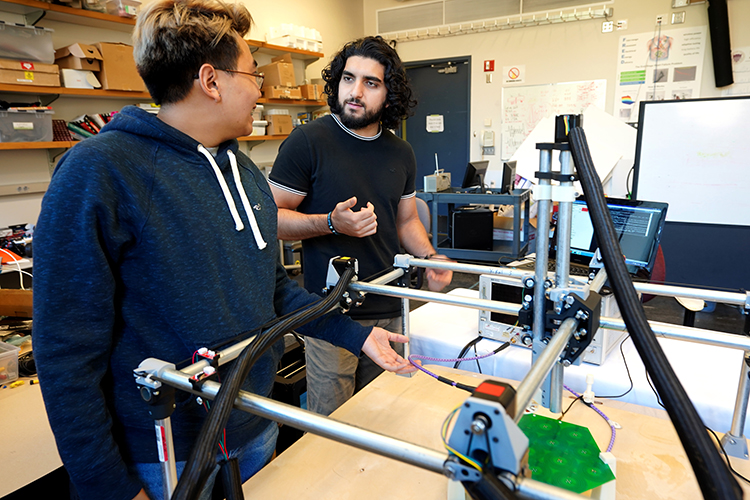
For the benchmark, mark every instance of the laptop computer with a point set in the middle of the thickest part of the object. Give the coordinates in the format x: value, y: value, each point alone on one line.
x: 638, y: 225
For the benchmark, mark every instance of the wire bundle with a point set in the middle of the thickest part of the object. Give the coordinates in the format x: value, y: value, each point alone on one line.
x: 712, y: 473
x: 202, y: 459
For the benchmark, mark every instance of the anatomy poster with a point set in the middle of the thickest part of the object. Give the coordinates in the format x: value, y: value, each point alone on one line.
x: 658, y: 66
x: 741, y: 71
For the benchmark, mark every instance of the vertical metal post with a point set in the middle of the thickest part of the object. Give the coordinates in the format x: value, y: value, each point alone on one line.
x: 562, y: 268
x: 734, y: 441
x: 540, y: 269
x: 405, y: 324
x: 564, y: 223
x: 165, y: 444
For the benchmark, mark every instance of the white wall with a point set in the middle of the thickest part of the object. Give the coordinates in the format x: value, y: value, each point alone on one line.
x: 556, y: 53
x: 337, y: 20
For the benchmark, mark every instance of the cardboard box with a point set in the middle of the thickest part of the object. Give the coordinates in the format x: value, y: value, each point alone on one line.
x: 280, y: 73
x: 79, y: 79
x: 16, y: 303
x: 279, y: 124
x: 29, y: 73
x: 78, y: 56
x: 311, y: 92
x: 281, y: 92
x: 118, y: 67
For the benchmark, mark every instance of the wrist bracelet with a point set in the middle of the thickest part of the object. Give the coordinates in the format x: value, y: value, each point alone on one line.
x: 330, y: 224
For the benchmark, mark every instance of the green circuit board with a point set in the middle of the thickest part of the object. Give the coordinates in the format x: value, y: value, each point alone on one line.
x: 563, y: 454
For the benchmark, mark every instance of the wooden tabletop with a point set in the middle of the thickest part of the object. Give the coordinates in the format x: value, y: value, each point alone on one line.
x: 650, y: 460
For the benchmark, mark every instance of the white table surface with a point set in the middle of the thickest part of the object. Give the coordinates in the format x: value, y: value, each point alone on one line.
x: 27, y: 444
x: 709, y: 374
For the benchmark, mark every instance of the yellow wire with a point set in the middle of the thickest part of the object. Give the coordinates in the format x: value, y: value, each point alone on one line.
x: 444, y: 431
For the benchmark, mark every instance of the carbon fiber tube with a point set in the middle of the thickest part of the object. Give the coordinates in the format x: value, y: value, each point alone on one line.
x: 714, y: 478
x: 202, y: 456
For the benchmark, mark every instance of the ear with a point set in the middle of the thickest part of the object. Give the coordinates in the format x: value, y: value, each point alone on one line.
x: 208, y: 82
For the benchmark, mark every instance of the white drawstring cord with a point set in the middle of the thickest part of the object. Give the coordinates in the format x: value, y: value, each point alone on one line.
x: 245, y: 202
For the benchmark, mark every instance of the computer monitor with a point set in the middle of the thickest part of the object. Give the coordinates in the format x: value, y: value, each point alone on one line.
x: 474, y: 175
x: 509, y: 177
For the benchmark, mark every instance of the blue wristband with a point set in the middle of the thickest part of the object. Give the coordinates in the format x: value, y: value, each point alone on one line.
x: 330, y: 224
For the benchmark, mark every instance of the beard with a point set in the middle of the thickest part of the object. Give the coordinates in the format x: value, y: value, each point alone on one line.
x: 357, y: 122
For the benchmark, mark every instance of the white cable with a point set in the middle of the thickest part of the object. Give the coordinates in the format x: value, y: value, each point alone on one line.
x: 17, y: 262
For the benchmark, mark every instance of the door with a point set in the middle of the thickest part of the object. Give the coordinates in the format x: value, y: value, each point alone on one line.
x: 442, y: 89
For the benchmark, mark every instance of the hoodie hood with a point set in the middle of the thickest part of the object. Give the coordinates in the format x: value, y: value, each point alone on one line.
x: 136, y: 121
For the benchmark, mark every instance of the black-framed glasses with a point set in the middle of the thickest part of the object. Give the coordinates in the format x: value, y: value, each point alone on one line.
x: 258, y: 76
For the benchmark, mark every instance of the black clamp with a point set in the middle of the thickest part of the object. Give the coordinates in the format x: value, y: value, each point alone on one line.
x: 587, y: 312
x: 161, y: 400
x: 556, y: 176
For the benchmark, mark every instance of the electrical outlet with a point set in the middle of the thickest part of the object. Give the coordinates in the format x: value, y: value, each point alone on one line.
x: 608, y: 27
x: 660, y: 19
x: 676, y: 4
x: 622, y: 25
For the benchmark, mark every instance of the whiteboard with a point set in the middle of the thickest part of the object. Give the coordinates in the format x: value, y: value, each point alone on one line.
x: 695, y: 155
x: 524, y: 107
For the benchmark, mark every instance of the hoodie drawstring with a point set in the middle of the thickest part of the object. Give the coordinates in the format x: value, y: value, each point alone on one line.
x: 238, y: 225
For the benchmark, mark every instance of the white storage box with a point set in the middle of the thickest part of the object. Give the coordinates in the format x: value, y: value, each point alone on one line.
x: 79, y: 79
x: 297, y: 42
x: 26, y: 43
x: 8, y: 363
x: 259, y: 127
x: 26, y: 126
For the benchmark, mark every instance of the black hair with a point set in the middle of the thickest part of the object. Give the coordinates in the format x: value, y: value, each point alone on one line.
x: 399, y: 100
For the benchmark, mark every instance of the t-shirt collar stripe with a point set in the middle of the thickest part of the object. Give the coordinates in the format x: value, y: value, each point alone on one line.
x: 353, y: 134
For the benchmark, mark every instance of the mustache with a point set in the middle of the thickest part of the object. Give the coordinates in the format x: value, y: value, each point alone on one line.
x: 354, y: 101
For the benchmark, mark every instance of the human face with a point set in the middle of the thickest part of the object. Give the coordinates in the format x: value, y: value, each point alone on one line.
x: 362, y: 95
x: 240, y: 93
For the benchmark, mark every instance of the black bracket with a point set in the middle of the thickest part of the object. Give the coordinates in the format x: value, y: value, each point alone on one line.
x: 557, y: 176
x: 587, y: 312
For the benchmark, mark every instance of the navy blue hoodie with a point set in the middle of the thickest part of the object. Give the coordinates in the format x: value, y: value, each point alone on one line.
x: 140, y: 252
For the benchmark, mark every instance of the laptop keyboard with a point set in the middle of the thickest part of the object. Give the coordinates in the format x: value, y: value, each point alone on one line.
x: 572, y: 269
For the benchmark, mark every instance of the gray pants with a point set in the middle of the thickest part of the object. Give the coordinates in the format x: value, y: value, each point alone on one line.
x: 335, y: 374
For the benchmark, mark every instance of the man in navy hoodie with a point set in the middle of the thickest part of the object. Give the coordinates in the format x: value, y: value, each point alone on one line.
x: 156, y: 238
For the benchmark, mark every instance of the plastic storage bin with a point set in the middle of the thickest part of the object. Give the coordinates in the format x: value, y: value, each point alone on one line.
x: 26, y: 126
x: 26, y: 43
x: 123, y: 8
x: 259, y: 127
x: 8, y: 363
x: 95, y: 5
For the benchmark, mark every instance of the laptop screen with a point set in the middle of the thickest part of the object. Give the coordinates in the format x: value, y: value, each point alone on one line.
x: 638, y: 225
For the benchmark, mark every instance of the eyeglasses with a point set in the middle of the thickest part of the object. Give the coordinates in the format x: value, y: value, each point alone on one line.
x: 258, y: 76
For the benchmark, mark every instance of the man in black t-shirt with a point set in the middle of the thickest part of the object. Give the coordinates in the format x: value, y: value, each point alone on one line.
x: 345, y: 185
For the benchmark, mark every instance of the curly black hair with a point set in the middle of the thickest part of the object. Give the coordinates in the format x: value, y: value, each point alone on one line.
x: 399, y: 99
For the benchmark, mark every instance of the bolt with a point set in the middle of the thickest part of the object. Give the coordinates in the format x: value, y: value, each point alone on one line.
x: 479, y: 425
x: 528, y: 298
x: 529, y: 283
x: 582, y: 315
x: 582, y: 332
x: 569, y: 299
x: 566, y: 363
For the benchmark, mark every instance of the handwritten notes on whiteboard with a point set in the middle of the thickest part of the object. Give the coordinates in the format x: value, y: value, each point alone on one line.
x: 524, y: 107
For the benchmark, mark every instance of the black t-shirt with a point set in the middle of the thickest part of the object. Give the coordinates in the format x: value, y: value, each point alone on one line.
x: 327, y: 164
